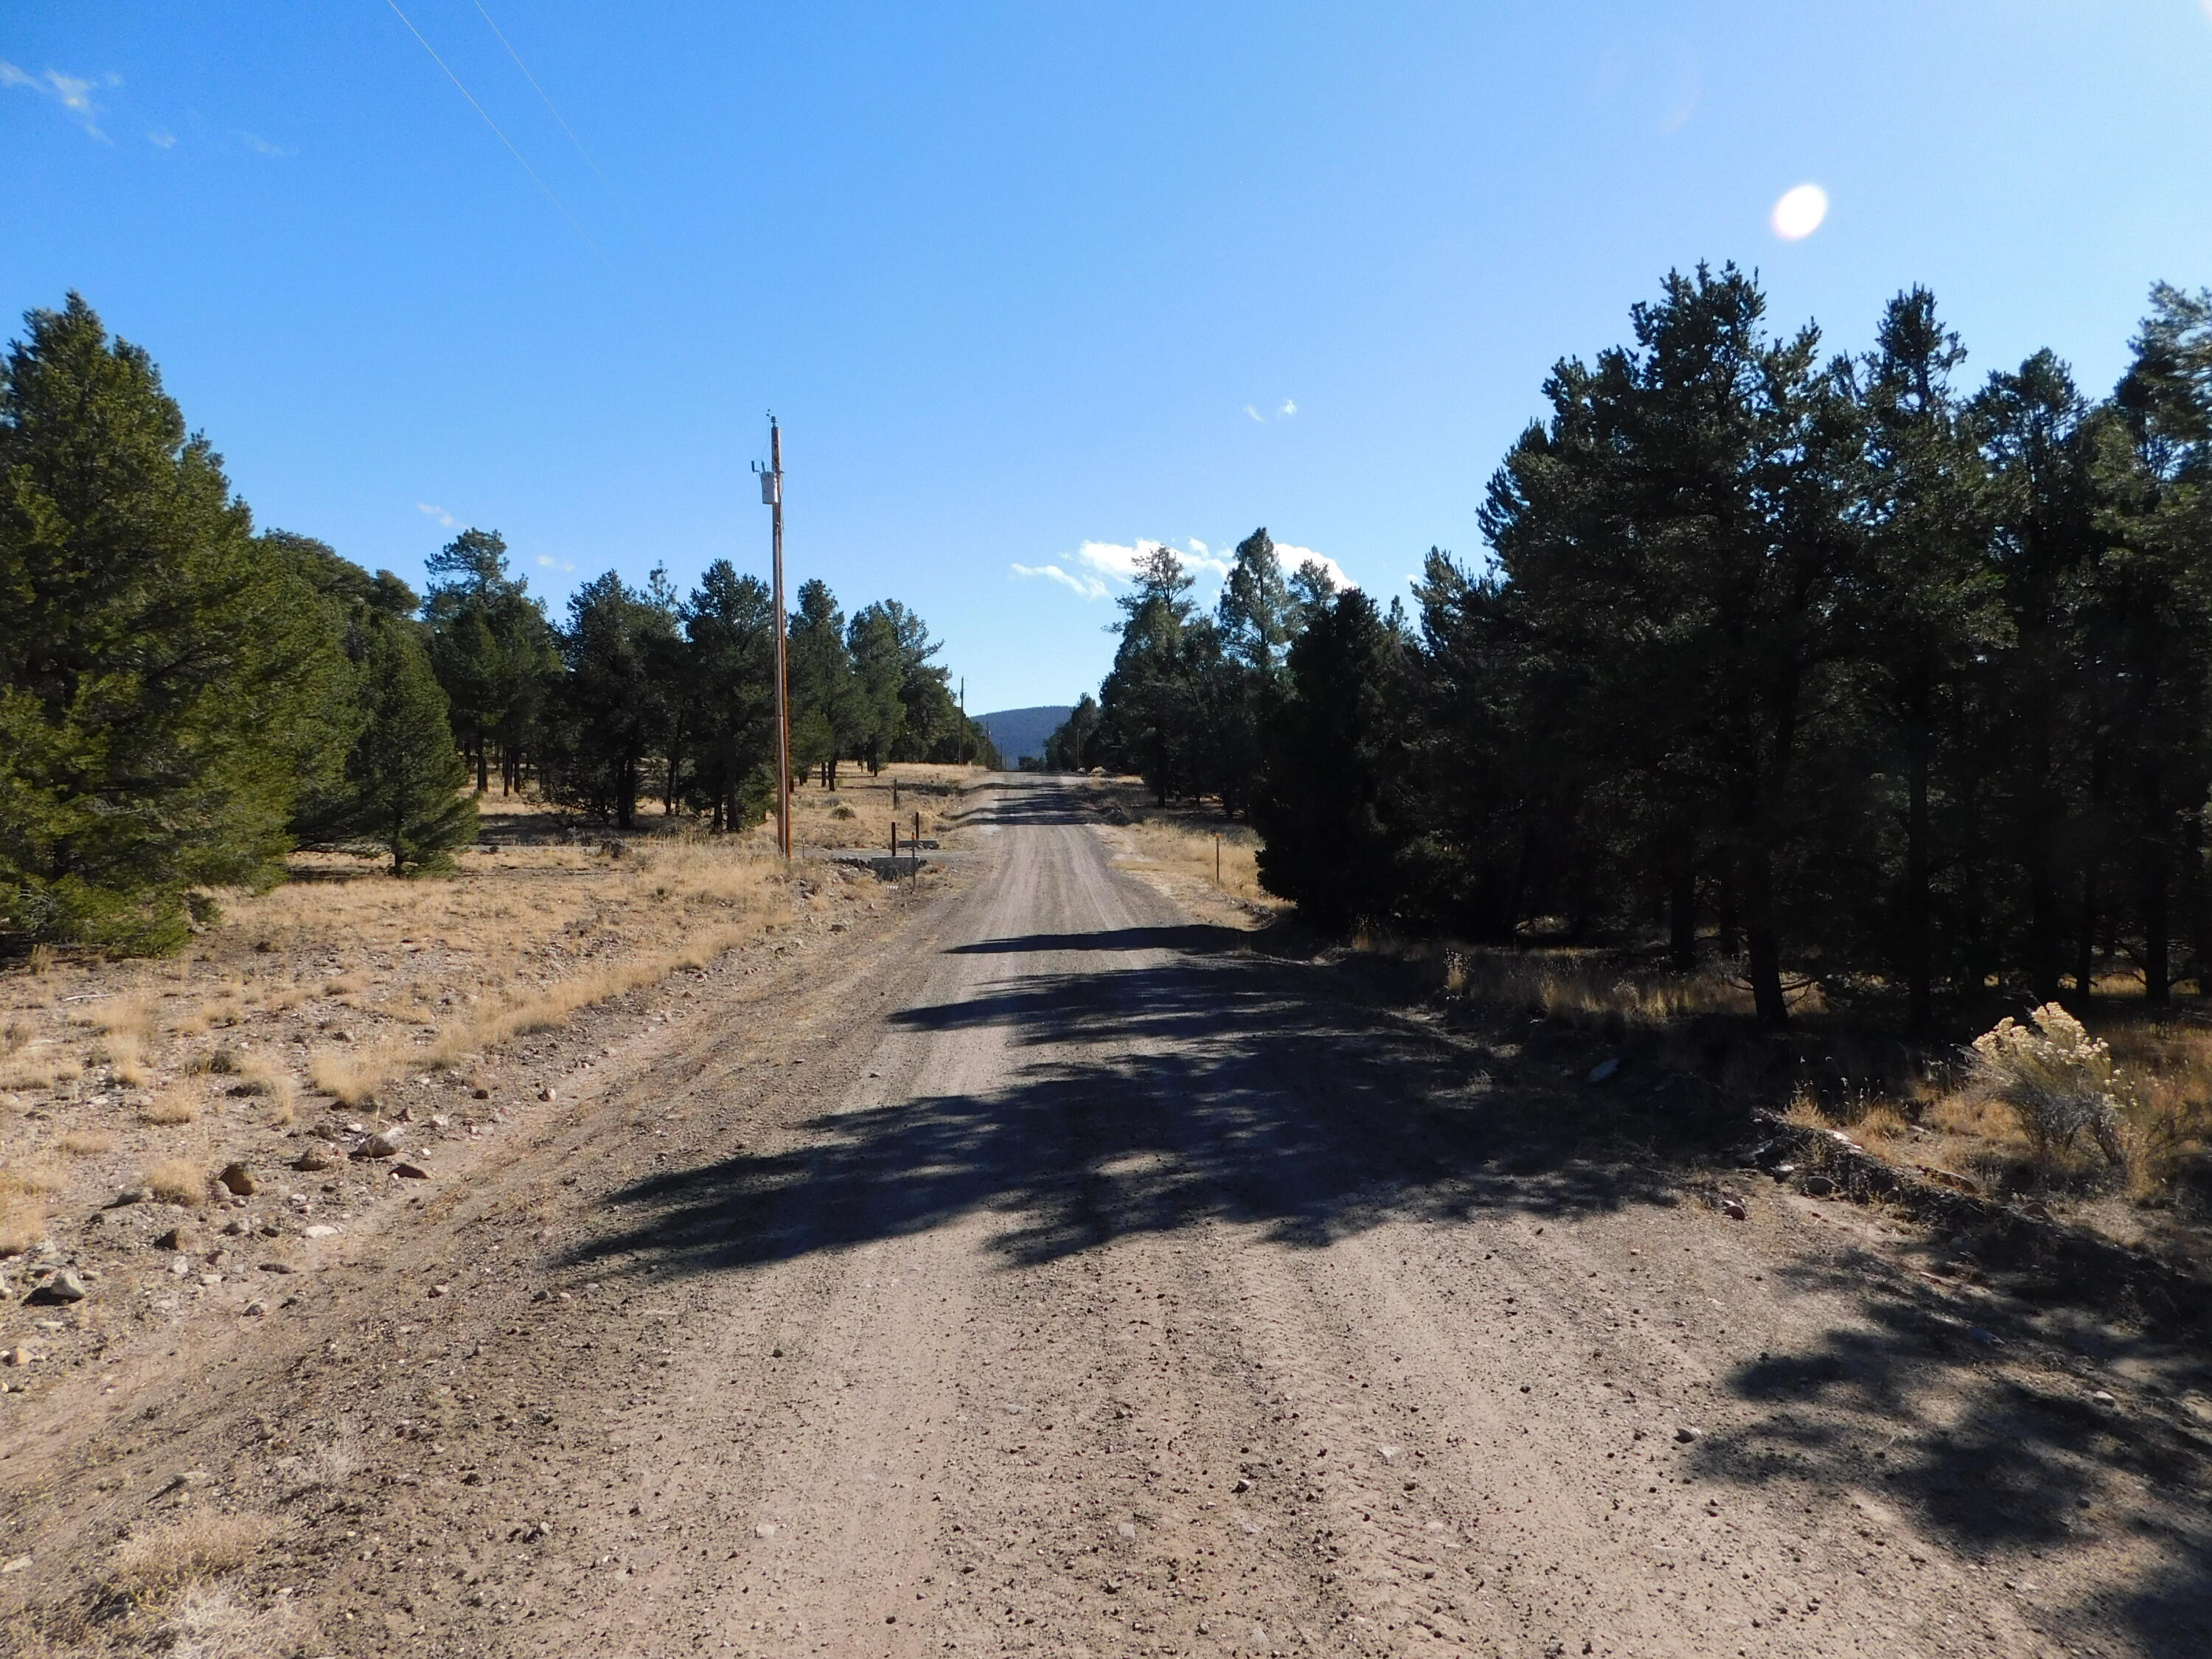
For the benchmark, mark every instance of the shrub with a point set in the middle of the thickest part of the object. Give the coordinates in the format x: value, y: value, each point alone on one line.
x: 2058, y: 1080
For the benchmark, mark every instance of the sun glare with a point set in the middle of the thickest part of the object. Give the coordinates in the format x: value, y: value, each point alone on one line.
x: 1799, y: 213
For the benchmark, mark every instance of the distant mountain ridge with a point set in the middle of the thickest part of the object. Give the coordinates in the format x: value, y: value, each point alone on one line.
x: 1020, y: 732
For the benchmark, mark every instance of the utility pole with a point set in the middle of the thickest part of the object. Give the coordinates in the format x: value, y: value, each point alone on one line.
x: 963, y: 719
x: 771, y: 478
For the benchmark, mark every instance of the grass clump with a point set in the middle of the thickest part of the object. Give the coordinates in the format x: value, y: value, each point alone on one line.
x: 177, y: 1181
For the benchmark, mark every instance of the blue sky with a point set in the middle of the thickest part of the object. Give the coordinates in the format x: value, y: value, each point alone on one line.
x: 1028, y: 283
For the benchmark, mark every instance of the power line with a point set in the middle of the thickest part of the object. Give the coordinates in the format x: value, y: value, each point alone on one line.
x: 546, y: 99
x: 494, y: 125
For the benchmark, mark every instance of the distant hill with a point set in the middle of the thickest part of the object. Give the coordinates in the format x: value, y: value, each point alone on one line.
x: 1019, y: 732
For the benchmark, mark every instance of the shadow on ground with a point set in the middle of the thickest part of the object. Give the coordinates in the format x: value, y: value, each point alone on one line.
x: 1213, y: 1083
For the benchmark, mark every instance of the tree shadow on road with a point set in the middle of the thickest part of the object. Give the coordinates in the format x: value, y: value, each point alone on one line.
x: 1977, y: 1413
x: 1222, y: 1094
x: 1215, y: 1085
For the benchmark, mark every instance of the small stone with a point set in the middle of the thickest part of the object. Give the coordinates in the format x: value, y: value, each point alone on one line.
x: 278, y: 1267
x: 1242, y: 1484
x: 410, y: 1172
x: 16, y: 1563
x: 238, y: 1179
x: 441, y: 1290
x: 313, y: 1160
x: 2103, y: 1397
x: 1732, y: 1207
x: 17, y: 1355
x: 1604, y: 1071
x: 479, y: 1094
x: 65, y: 1286
x: 256, y: 1308
x: 385, y: 1143
x: 177, y: 1238
x: 1817, y: 1186
x: 545, y: 1093
x: 1127, y: 1530
x: 766, y: 1530
x: 1685, y: 1434
x: 321, y: 1230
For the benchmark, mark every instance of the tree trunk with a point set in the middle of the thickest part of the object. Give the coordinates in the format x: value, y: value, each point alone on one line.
x: 483, y: 762
x: 1763, y: 950
x: 2085, y: 938
x: 1683, y: 910
x: 626, y: 795
x: 2158, y: 927
x: 1920, y: 993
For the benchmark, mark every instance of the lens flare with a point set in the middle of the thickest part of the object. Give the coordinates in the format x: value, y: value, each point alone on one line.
x: 1799, y: 213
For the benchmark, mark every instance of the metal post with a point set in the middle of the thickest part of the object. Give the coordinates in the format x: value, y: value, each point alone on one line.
x: 782, y: 664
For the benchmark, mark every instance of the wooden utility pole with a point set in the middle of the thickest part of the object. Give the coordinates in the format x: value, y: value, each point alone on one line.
x: 772, y: 493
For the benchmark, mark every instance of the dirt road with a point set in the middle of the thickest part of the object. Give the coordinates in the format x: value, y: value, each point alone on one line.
x: 1053, y: 1276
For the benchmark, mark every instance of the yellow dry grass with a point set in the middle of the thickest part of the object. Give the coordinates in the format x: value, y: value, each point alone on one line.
x: 1227, y: 859
x: 30, y: 1177
x: 165, y: 1559
x: 87, y: 1143
x: 1585, y: 990
x: 173, y: 1106
x: 22, y: 1222
x: 177, y: 1180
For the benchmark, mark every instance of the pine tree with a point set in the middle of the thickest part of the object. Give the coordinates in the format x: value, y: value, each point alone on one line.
x: 825, y: 708
x: 406, y: 774
x: 1322, y: 806
x: 730, y: 628
x: 166, y: 678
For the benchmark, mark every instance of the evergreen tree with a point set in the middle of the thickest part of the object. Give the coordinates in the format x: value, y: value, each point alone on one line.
x: 406, y: 774
x: 1074, y: 744
x: 730, y: 627
x: 494, y: 651
x: 1322, y: 808
x: 610, y: 709
x: 1930, y: 615
x: 1154, y: 722
x: 1254, y: 620
x: 878, y: 656
x: 824, y: 696
x: 166, y: 678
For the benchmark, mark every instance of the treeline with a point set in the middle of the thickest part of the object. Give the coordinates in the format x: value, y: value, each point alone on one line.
x: 1828, y: 663
x: 649, y: 693
x: 184, y: 701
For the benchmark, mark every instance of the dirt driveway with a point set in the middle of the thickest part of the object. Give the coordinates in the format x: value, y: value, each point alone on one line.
x: 1050, y: 1275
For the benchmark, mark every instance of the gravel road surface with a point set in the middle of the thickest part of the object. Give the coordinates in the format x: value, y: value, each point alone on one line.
x: 1049, y: 1274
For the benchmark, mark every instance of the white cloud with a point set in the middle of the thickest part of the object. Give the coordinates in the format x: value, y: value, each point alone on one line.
x: 1290, y: 407
x: 71, y: 92
x: 1089, y: 587
x: 161, y: 138
x: 260, y: 145
x: 437, y: 513
x: 1292, y: 558
x: 1255, y: 414
x: 1095, y: 570
x: 551, y: 563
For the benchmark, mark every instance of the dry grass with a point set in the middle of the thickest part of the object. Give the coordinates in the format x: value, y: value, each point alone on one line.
x: 124, y: 1054
x: 177, y: 1181
x: 30, y: 1177
x: 87, y: 1143
x: 1191, y: 852
x: 173, y: 1106
x: 1585, y: 990
x: 164, y: 1560
x: 22, y: 1223
x: 14, y: 1032
x: 350, y: 1075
